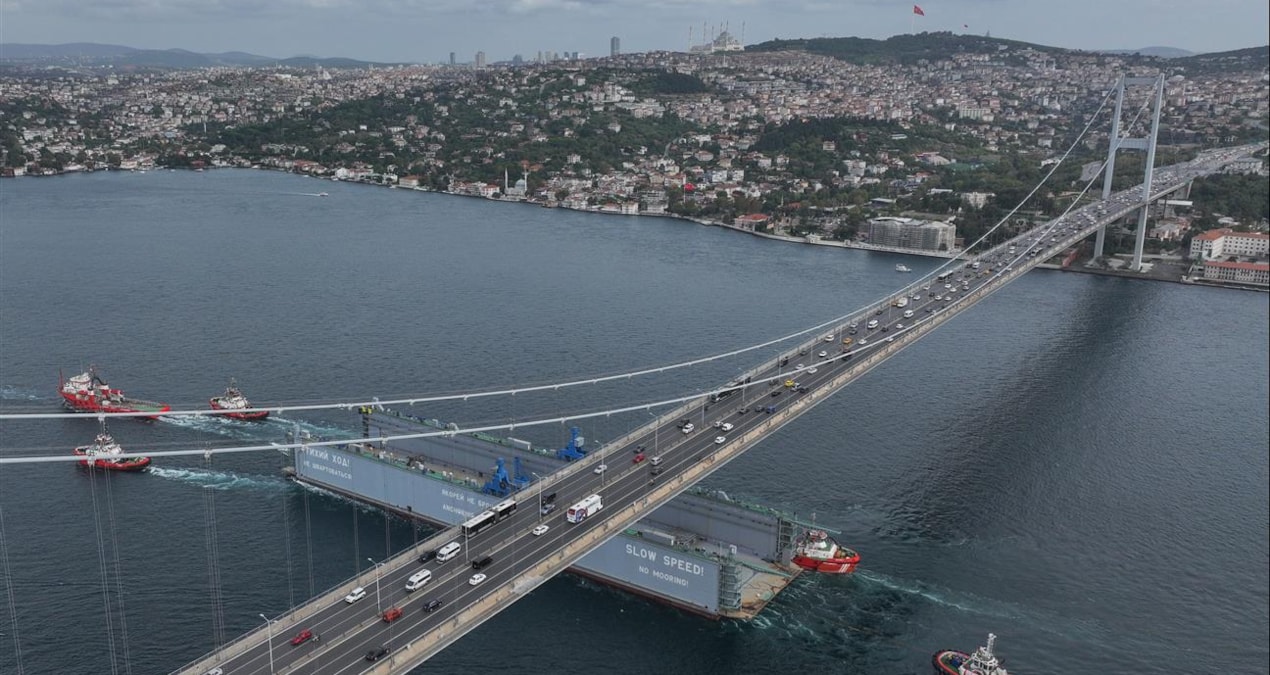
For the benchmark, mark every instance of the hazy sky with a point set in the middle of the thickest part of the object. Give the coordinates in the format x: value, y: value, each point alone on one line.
x: 428, y: 30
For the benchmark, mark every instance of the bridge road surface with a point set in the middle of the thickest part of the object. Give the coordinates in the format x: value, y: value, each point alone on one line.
x: 348, y: 631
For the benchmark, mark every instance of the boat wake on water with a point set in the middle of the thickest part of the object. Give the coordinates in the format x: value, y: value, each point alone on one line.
x: 274, y: 428
x: 1067, y: 627
x: 220, y: 480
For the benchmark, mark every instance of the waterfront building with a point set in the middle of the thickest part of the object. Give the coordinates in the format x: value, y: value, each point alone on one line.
x: 1227, y: 242
x: 912, y: 233
x: 1252, y: 273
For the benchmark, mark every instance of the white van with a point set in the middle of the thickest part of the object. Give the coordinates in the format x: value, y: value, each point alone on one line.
x: 418, y: 580
x: 448, y: 551
x: 872, y: 324
x: 655, y: 460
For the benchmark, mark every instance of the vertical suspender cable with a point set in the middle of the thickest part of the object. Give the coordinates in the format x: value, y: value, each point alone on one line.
x: 101, y: 564
x: 286, y: 539
x: 308, y: 542
x: 8, y: 590
x: 114, y: 541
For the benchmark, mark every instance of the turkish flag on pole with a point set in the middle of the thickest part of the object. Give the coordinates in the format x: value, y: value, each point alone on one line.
x: 918, y: 10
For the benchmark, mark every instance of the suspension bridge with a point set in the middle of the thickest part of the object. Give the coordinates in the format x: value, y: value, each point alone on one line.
x: 363, y: 633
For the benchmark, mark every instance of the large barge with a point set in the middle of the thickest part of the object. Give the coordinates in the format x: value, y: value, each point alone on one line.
x: 702, y: 552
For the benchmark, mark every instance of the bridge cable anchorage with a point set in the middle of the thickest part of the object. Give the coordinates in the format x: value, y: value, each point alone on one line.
x: 101, y: 564
x: 8, y: 591
x: 464, y: 396
x: 114, y: 539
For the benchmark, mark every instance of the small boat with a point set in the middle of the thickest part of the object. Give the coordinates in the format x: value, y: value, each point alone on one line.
x: 324, y: 194
x: 902, y: 268
x: 105, y: 453
x: 982, y: 662
x: 819, y: 552
x: 234, y: 402
x: 88, y: 392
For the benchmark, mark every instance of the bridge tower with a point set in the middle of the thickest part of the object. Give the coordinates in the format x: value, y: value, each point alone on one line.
x: 1117, y: 143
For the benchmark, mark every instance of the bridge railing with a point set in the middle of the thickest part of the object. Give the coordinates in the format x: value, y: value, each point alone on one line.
x: 299, y: 613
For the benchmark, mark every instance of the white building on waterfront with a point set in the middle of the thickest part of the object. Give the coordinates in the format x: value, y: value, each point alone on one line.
x: 924, y: 235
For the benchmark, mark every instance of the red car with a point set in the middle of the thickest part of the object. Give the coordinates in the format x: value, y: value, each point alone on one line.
x: 639, y: 458
x: 392, y: 614
x: 302, y: 637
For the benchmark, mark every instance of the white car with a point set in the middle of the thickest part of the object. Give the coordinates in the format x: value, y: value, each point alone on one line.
x: 720, y: 440
x: 726, y: 426
x: 899, y: 326
x: 798, y: 367
x: 823, y: 354
x: 357, y: 594
x: 540, y: 530
x: 601, y: 469
x: 862, y: 342
x: 688, y: 428
x: 810, y: 371
x: 829, y: 337
x: 476, y: 579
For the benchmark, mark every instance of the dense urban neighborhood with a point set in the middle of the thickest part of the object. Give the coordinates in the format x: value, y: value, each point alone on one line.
x: 920, y: 142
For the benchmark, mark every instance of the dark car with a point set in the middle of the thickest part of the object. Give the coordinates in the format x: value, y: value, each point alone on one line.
x: 656, y: 471
x: 551, y: 497
x: 802, y: 390
x: 427, y: 556
x: 432, y: 606
x: 482, y: 563
x: 377, y: 653
x: 776, y: 393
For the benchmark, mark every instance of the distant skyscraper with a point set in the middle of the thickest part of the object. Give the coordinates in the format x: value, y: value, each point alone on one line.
x: 615, y: 46
x: 480, y: 59
x: 452, y: 58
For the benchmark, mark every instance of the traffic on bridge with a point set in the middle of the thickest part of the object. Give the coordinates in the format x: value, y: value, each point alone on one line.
x: 404, y: 610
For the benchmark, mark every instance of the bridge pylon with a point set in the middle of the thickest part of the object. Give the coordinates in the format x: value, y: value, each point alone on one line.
x: 1117, y: 143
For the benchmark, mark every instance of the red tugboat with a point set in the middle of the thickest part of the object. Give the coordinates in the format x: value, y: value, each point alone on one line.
x: 820, y: 553
x: 90, y: 393
x: 982, y: 662
x: 234, y: 401
x: 105, y: 453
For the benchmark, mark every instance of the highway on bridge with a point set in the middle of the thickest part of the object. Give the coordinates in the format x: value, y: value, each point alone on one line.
x: 347, y: 632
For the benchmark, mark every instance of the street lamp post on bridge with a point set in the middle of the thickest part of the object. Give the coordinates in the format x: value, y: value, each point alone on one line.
x: 378, y: 606
x: 269, y: 638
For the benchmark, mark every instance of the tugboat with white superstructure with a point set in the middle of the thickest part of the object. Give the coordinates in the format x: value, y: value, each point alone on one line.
x: 982, y: 662
x: 105, y: 453
x: 236, y: 404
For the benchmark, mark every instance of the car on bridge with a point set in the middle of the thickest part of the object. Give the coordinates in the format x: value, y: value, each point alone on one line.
x: 377, y: 653
x: 483, y: 562
x: 540, y: 530
x: 638, y: 458
x: 432, y: 606
x: 720, y: 440
x: 688, y: 428
x: 356, y: 594
x: 391, y: 614
x: 601, y: 469
x: 302, y: 637
x: 726, y: 426
x: 428, y: 556
x: 476, y: 580
x: 547, y: 508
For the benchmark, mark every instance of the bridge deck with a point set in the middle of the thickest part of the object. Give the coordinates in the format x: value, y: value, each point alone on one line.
x: 522, y: 560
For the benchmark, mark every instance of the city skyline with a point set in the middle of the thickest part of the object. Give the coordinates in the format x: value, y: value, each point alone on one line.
x: 419, y: 31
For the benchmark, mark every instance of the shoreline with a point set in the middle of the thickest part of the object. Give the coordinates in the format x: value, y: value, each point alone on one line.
x: 856, y: 246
